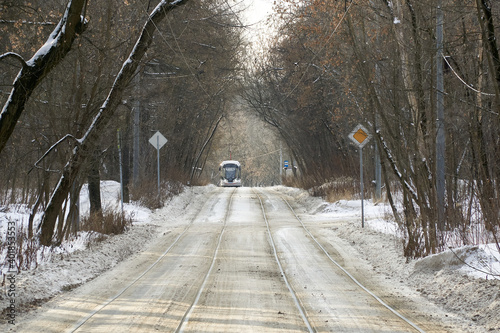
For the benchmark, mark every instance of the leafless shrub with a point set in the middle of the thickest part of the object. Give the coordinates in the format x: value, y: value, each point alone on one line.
x: 146, y: 193
x: 106, y: 222
x: 343, y: 188
x: 24, y: 251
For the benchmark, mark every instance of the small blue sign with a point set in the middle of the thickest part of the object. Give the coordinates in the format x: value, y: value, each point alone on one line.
x: 286, y: 164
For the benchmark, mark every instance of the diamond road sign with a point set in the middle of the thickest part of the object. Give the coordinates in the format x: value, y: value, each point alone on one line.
x: 360, y: 136
x: 158, y: 140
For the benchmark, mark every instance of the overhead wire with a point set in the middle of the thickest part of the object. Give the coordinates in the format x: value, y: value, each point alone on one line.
x: 182, y: 55
x: 463, y: 81
x: 265, y: 154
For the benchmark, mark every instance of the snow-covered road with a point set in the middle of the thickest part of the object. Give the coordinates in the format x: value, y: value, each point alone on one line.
x: 215, y: 269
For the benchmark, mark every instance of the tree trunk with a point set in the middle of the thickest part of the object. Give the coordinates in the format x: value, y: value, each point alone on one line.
x: 486, y: 183
x: 126, y: 171
x: 94, y: 180
x: 489, y: 39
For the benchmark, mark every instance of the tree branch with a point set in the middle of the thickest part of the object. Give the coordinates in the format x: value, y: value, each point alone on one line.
x: 15, y: 56
x: 54, y: 146
x: 36, y: 69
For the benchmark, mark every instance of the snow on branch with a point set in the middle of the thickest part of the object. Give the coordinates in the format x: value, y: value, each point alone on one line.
x: 67, y: 27
x: 100, y: 121
x: 15, y: 56
x: 56, y: 47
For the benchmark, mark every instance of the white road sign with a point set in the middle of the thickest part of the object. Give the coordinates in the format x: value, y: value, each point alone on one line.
x: 158, y: 140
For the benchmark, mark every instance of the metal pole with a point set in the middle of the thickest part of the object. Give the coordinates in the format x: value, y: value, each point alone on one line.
x: 361, y: 186
x: 158, y: 161
x: 440, y: 135
x: 136, y: 107
x: 121, y: 169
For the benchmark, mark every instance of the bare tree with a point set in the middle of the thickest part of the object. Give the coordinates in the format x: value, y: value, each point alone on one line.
x: 84, y: 145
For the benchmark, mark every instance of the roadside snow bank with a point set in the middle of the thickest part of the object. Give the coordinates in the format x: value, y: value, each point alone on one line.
x: 479, y: 261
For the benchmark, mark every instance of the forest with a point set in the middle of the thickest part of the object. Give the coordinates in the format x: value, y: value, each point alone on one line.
x: 84, y: 85
x: 423, y: 77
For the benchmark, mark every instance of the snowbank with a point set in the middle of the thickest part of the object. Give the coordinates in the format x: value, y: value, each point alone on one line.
x: 479, y: 261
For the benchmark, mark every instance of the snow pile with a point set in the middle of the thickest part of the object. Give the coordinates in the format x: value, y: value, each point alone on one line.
x: 77, y: 261
x: 483, y: 262
x: 19, y: 214
x: 479, y: 261
x: 110, y: 197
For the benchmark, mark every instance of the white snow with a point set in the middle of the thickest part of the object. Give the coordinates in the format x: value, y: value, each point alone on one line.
x: 481, y: 261
x: 110, y: 193
x: 78, y: 260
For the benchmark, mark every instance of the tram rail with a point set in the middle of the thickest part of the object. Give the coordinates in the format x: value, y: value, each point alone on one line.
x: 340, y: 267
x: 100, y: 308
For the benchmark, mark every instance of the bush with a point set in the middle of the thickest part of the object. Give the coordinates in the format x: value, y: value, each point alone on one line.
x: 106, y: 222
x: 146, y: 193
x: 343, y: 188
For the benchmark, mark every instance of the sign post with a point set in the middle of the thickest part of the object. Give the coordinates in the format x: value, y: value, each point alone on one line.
x: 360, y: 136
x: 158, y: 141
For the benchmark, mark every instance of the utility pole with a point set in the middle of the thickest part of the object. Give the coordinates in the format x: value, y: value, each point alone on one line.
x: 136, y: 109
x: 440, y: 135
x: 121, y: 169
x: 378, y: 174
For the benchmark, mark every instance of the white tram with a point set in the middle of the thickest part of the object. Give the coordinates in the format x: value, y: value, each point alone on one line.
x: 230, y: 174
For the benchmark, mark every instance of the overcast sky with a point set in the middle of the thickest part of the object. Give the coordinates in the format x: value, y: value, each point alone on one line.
x: 258, y: 10
x: 255, y: 16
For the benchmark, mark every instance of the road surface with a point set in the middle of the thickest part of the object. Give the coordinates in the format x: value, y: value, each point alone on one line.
x: 242, y: 260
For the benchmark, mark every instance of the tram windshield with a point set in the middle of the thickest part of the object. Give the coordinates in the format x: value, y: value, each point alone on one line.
x: 231, y: 172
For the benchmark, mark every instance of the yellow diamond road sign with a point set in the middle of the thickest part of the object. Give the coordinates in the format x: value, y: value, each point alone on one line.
x: 360, y: 136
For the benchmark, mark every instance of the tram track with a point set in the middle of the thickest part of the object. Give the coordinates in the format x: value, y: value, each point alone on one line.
x: 246, y: 293
x: 323, y: 250
x: 100, y: 308
x: 296, y: 300
x: 202, y: 286
x: 187, y: 315
x: 239, y: 260
x: 395, y: 312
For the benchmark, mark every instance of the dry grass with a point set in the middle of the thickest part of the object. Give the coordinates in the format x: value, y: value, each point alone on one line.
x: 339, y: 189
x: 147, y: 193
x: 107, y: 222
